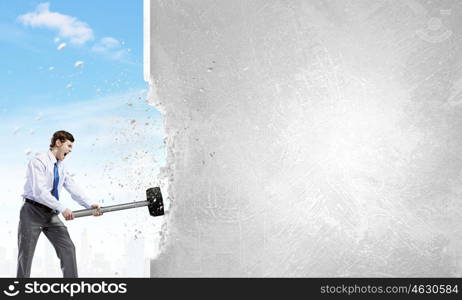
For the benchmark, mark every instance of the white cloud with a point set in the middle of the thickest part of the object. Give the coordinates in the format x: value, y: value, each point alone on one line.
x: 109, y: 47
x: 109, y: 43
x: 68, y: 27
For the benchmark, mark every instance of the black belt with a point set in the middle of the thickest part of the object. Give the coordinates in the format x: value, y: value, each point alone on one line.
x: 40, y: 205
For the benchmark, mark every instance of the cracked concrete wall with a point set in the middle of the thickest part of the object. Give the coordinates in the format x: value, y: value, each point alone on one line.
x: 309, y: 138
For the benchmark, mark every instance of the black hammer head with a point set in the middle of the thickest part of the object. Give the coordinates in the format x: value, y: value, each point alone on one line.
x: 156, y: 204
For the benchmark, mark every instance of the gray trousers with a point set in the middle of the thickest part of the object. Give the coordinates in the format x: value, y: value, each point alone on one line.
x: 34, y: 220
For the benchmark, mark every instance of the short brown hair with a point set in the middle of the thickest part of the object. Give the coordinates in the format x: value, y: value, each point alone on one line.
x: 62, y: 136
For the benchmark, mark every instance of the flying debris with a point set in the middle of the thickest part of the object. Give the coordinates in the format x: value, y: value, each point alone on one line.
x: 61, y: 46
x: 51, y: 68
x: 69, y: 86
x: 38, y: 117
x: 78, y: 64
x: 16, y: 130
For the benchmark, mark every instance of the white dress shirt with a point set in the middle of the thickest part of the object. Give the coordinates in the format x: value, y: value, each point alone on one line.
x: 39, y: 182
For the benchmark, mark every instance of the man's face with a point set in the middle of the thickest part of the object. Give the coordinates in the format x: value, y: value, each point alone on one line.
x: 63, y: 149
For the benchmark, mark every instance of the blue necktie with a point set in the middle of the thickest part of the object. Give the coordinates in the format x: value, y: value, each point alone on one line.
x: 54, y: 191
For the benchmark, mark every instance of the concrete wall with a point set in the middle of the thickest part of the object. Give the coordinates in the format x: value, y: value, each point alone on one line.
x: 309, y: 138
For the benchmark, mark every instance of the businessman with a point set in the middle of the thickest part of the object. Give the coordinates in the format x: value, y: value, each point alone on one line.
x: 45, y: 177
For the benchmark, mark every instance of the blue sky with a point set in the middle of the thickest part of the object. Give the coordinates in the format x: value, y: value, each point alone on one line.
x: 78, y: 66
x: 70, y: 65
x: 34, y: 71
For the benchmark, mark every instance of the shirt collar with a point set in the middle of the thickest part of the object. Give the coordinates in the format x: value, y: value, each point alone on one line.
x: 52, y: 157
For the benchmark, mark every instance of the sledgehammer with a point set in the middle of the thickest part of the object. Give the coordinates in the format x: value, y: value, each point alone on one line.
x: 154, y: 203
